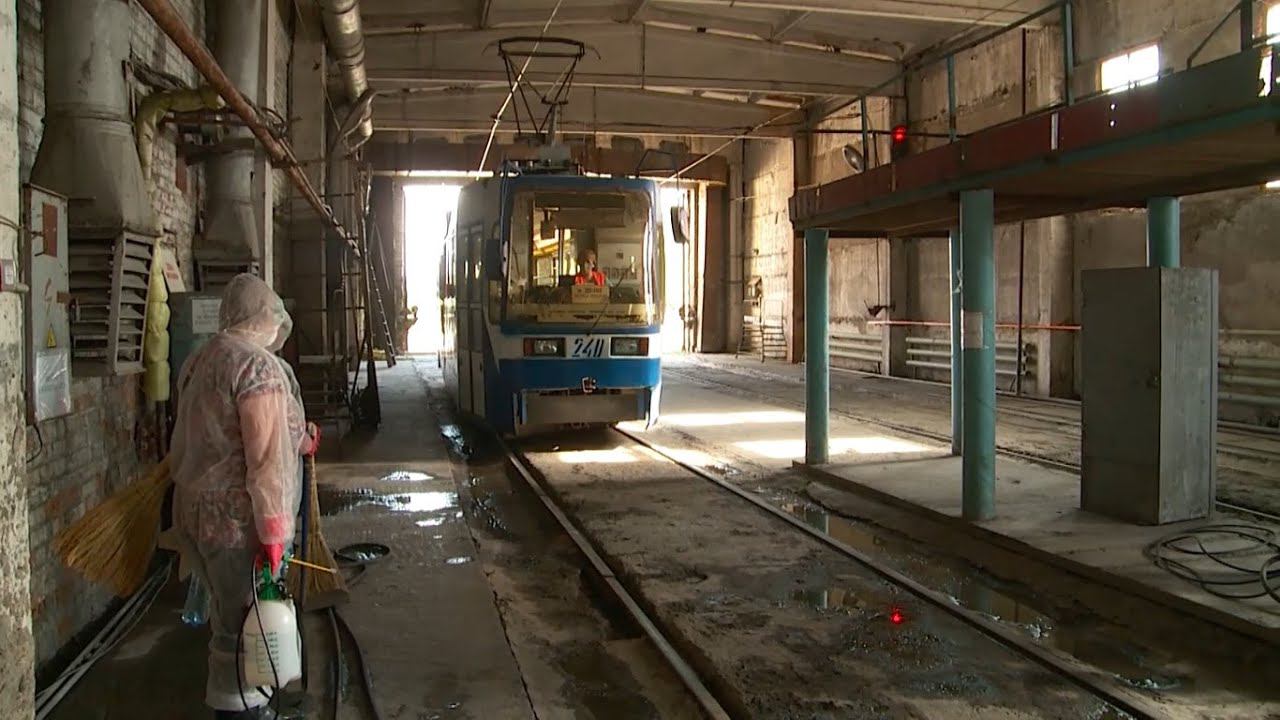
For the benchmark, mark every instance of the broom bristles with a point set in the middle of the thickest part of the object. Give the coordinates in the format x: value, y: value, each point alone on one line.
x: 114, y: 542
x: 322, y: 589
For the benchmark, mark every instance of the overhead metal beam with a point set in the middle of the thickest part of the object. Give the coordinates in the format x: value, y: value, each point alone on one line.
x: 631, y: 112
x: 630, y: 56
x: 923, y: 11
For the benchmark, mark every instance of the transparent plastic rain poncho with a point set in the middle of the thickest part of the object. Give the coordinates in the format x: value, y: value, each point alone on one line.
x: 240, y: 428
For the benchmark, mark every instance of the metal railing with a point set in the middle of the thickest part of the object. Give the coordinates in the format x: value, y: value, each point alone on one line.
x: 935, y: 354
x: 1245, y: 380
x: 857, y: 347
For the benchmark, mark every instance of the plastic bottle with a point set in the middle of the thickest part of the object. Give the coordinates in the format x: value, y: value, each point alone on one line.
x: 195, y: 612
x: 272, y: 655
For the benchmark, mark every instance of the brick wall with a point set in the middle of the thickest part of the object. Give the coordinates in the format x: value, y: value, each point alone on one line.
x: 110, y: 437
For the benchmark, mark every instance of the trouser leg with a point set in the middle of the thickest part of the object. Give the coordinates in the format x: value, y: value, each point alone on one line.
x: 228, y: 573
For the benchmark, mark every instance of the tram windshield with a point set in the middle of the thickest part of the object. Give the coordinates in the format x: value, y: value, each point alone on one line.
x: 582, y: 257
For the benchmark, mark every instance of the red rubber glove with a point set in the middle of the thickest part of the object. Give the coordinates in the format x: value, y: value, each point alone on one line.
x: 273, y: 555
x: 311, y: 448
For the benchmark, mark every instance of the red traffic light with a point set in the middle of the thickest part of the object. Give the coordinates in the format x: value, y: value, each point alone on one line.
x: 899, y: 134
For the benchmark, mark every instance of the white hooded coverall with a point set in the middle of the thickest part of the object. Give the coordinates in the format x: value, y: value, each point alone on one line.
x: 235, y: 458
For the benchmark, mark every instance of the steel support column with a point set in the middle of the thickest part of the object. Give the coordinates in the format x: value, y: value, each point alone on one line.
x: 1164, y: 245
x: 957, y: 353
x: 978, y: 372
x: 817, y: 359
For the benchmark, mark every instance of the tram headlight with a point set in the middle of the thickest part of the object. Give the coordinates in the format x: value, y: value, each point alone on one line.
x: 544, y: 347
x: 623, y: 346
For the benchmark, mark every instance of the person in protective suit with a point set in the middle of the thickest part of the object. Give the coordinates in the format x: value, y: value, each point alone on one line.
x: 239, y: 433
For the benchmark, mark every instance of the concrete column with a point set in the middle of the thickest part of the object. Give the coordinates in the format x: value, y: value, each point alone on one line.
x: 978, y: 337
x: 1164, y: 244
x: 817, y: 360
x: 307, y: 256
x: 17, y: 672
x: 899, y: 295
x: 957, y: 352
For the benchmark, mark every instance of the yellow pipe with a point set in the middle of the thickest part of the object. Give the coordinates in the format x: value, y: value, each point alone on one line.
x: 154, y: 107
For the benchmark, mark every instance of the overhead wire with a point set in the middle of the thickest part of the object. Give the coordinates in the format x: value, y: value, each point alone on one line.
x: 497, y: 119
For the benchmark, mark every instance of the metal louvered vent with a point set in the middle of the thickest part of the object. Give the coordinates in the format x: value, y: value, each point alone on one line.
x: 109, y: 285
x: 215, y: 274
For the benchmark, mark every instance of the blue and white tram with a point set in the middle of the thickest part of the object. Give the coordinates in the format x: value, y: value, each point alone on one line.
x: 535, y: 337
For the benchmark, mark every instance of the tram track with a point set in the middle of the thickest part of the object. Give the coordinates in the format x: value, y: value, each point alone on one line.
x: 1037, y: 458
x: 1101, y: 685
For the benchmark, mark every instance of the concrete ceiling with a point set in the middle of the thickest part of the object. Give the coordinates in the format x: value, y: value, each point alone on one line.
x: 711, y: 68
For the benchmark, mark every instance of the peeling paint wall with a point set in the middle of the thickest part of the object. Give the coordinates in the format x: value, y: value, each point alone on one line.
x: 16, y: 677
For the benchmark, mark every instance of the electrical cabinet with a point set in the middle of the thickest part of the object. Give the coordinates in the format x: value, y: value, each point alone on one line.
x: 1149, y: 385
x: 47, y: 339
x: 193, y: 319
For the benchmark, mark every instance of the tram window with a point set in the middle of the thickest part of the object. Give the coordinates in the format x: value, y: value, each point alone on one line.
x: 551, y: 231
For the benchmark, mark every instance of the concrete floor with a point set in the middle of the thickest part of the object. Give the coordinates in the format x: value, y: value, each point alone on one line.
x: 483, y: 609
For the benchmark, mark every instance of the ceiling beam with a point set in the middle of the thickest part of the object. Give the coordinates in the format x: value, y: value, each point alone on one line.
x: 629, y: 56
x: 629, y: 112
x: 996, y: 14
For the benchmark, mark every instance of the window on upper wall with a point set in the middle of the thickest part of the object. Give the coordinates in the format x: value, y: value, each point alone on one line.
x: 1131, y: 69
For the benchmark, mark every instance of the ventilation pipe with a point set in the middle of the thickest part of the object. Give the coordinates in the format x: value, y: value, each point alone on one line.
x: 87, y: 151
x: 346, y: 41
x: 230, y: 243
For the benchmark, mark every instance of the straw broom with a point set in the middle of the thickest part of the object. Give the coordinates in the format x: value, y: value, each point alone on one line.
x: 315, y: 589
x: 114, y: 542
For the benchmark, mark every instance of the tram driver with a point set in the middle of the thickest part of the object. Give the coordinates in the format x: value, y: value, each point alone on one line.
x: 588, y: 271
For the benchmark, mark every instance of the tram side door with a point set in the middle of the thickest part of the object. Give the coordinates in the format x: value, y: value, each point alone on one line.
x: 471, y: 327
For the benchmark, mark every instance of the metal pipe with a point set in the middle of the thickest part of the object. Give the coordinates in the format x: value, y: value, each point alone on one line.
x: 1022, y: 267
x: 343, y: 29
x: 1250, y: 399
x: 1000, y: 326
x: 978, y: 371
x: 1248, y: 363
x: 231, y: 232
x: 172, y: 24
x: 1250, y: 380
x: 934, y: 365
x: 817, y: 363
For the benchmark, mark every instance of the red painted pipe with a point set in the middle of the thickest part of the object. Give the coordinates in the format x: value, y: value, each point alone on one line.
x: 163, y: 12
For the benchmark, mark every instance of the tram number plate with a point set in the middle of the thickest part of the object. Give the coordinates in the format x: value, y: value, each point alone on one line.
x: 586, y: 347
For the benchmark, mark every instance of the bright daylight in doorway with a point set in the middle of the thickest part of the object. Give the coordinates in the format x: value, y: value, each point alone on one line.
x: 428, y: 210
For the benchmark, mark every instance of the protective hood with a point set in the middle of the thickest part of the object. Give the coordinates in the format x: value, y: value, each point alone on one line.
x: 253, y: 311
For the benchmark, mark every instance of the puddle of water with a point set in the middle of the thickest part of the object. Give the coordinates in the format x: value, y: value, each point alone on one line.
x: 1082, y: 640
x: 406, y: 476
x: 457, y: 560
x: 338, y: 500
x: 430, y: 522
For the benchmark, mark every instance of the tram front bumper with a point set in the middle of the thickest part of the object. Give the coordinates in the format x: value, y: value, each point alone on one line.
x: 577, y: 408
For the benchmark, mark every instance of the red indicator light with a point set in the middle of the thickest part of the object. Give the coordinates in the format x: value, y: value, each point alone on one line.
x: 899, y: 134
x: 896, y: 617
